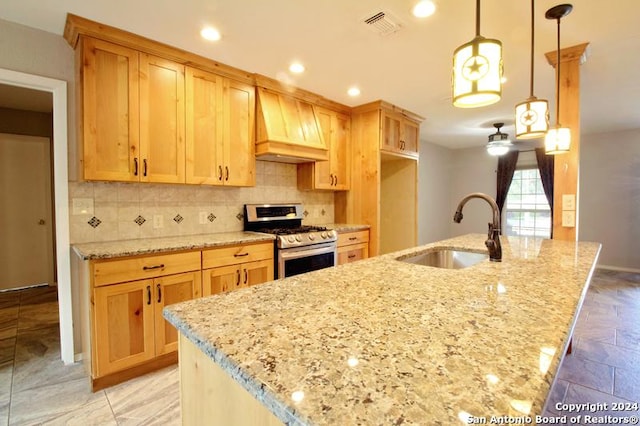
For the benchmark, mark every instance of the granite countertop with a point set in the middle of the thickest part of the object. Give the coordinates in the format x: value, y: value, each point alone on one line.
x: 345, y: 227
x: 111, y: 249
x: 380, y: 341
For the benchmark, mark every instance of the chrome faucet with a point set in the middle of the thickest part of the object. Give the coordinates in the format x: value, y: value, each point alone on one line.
x: 493, y: 237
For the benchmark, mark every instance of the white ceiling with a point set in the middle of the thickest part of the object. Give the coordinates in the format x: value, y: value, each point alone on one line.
x: 410, y: 68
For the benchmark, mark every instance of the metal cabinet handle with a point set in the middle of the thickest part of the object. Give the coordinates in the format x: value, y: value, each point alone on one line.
x: 246, y: 276
x: 135, y: 166
x: 353, y: 238
x: 351, y: 256
x: 150, y: 268
x: 144, y: 165
x: 336, y: 184
x: 220, y: 173
x: 148, y: 295
x: 159, y: 293
x: 241, y: 254
x: 226, y: 173
x: 238, y: 277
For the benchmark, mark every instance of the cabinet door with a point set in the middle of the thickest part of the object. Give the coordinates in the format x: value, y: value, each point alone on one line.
x: 340, y: 149
x: 257, y: 272
x: 162, y: 115
x: 323, y: 173
x: 391, y: 132
x: 123, y: 327
x: 109, y: 111
x: 220, y: 280
x: 239, y: 140
x: 410, y: 135
x: 167, y: 291
x: 204, y: 127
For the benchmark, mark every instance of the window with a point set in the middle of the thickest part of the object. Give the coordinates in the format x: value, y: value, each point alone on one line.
x: 527, y: 212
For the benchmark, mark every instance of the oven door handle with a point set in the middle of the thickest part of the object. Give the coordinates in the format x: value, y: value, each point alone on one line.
x: 288, y: 255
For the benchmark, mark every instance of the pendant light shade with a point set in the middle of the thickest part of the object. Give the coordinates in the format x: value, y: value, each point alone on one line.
x: 532, y: 115
x: 477, y: 70
x: 499, y: 143
x: 558, y: 139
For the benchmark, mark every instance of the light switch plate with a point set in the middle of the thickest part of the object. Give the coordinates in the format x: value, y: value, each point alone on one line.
x: 568, y: 202
x: 568, y: 219
x: 82, y: 206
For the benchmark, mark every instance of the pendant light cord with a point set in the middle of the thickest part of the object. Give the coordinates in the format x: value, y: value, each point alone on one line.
x: 532, y: 46
x: 558, y: 79
x: 477, y: 18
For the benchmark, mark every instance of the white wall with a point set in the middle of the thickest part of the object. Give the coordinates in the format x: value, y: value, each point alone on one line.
x: 472, y: 170
x: 434, y: 193
x: 610, y: 196
x: 33, y: 51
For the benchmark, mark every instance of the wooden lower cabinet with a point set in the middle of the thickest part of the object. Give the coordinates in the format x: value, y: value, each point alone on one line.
x: 353, y: 246
x: 232, y: 277
x: 129, y: 326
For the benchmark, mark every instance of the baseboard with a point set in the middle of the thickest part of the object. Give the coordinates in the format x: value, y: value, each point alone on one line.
x: 618, y: 269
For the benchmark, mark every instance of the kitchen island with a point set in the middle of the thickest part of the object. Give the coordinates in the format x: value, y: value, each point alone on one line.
x: 381, y: 341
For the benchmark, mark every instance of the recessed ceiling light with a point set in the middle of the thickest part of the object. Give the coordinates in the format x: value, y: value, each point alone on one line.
x: 424, y: 9
x: 296, y: 68
x: 210, y: 33
x: 353, y: 91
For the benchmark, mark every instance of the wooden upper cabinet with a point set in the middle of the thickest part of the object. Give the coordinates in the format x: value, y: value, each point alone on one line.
x: 162, y: 116
x: 219, y: 130
x: 334, y: 173
x: 399, y: 134
x: 109, y: 110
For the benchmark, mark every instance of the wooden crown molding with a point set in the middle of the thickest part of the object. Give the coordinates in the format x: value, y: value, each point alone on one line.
x: 380, y: 104
x: 578, y: 52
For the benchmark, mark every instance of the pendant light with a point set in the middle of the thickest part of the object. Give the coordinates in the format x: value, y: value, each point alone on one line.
x: 558, y: 138
x: 499, y: 143
x: 477, y: 71
x: 532, y: 115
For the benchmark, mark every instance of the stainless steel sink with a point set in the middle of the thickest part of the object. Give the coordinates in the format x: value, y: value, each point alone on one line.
x: 445, y: 258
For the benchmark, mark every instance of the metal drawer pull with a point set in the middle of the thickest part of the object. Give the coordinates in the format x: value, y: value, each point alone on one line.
x: 149, y: 268
x: 241, y: 254
x: 351, y: 256
x: 353, y: 238
x: 159, y: 293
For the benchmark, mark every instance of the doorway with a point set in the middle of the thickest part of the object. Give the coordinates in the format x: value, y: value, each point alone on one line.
x: 58, y: 89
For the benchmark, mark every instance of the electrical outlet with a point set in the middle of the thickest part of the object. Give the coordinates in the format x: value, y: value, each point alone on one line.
x: 568, y: 201
x: 202, y: 218
x: 157, y: 221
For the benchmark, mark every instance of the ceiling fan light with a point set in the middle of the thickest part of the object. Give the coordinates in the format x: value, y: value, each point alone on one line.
x: 557, y: 141
x: 497, y: 148
x: 477, y: 73
x: 499, y: 143
x: 532, y: 118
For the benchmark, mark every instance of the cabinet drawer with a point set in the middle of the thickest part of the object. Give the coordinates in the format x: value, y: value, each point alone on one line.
x: 356, y: 237
x: 351, y: 253
x: 230, y: 255
x: 136, y: 268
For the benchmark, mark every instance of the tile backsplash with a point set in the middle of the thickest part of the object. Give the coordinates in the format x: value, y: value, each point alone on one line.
x: 141, y: 210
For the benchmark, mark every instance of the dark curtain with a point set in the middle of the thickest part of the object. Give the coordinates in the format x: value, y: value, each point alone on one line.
x: 506, y: 168
x: 545, y: 165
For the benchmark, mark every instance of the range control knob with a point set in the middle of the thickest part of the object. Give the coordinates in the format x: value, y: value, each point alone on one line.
x: 290, y: 238
x: 298, y: 238
x: 324, y: 235
x: 312, y: 237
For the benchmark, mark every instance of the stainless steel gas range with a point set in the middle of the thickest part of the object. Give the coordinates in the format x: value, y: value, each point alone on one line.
x: 298, y: 248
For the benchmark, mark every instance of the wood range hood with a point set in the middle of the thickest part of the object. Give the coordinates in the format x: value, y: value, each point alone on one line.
x: 288, y: 129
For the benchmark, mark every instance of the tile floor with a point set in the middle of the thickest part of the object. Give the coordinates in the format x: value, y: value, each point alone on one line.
x: 604, y: 367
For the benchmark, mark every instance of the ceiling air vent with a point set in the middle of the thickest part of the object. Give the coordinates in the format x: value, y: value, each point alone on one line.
x: 382, y: 23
